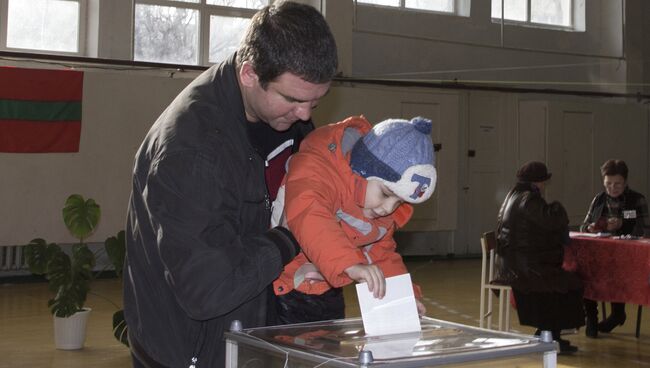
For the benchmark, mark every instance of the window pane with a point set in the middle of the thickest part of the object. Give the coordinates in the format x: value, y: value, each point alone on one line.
x: 166, y: 34
x: 515, y: 9
x: 556, y: 12
x: 250, y: 4
x: 380, y: 2
x: 51, y: 25
x: 435, y: 5
x: 225, y: 35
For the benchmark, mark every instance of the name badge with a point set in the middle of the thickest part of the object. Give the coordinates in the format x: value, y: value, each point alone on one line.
x: 631, y: 214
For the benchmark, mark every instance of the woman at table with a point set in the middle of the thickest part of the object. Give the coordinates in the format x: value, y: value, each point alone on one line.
x: 618, y: 210
x: 531, y: 235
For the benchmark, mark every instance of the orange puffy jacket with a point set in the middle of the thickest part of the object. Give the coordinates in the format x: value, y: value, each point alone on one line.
x: 323, y: 200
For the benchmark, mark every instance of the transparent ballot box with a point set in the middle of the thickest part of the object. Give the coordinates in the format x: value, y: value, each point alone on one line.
x: 343, y: 343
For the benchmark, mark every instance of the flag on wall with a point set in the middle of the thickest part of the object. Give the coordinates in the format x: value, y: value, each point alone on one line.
x: 40, y: 110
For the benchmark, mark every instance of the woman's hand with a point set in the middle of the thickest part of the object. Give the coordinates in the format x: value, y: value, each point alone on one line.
x: 614, y: 223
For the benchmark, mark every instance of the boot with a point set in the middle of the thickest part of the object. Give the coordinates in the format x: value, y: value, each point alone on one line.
x: 565, y: 345
x: 591, y: 312
x: 616, y: 318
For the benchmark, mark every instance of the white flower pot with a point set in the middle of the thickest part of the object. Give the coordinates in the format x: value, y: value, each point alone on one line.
x: 70, y: 332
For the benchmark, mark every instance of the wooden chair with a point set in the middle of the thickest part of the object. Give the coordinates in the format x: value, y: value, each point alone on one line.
x: 491, y: 287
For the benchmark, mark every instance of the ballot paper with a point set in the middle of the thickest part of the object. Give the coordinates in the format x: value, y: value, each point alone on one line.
x: 395, y: 313
x: 392, y: 348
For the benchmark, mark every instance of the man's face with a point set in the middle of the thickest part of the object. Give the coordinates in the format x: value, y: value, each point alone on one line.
x: 380, y: 201
x: 614, y: 185
x: 285, y: 100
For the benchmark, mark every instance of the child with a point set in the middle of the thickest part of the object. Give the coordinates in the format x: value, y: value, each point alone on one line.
x: 344, y: 195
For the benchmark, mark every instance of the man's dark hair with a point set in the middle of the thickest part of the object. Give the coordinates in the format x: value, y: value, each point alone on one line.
x: 289, y: 37
x: 614, y: 167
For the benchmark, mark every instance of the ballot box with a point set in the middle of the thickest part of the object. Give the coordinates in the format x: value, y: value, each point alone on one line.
x: 343, y: 343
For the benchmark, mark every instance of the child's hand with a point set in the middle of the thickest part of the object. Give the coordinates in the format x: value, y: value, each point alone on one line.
x: 372, y: 275
x: 421, y: 308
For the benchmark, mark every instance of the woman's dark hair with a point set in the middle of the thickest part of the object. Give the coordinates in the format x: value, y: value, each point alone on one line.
x: 289, y: 37
x: 614, y: 167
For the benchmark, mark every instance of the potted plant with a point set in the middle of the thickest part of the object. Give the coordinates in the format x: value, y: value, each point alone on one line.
x: 69, y: 275
x: 115, y: 247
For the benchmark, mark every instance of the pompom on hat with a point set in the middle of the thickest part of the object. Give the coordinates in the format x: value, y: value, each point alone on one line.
x: 399, y: 153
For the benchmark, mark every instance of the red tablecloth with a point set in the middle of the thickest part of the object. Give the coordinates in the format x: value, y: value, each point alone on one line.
x: 613, y: 270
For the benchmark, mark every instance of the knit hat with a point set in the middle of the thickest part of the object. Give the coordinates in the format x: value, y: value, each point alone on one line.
x: 533, y: 172
x: 398, y: 153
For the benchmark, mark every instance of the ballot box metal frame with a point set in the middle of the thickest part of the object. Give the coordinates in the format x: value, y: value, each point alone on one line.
x: 483, y: 345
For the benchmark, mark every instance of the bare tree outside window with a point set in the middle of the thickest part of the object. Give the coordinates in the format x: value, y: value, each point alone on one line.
x: 433, y: 5
x: 166, y: 34
x: 380, y: 2
x: 555, y: 12
x: 51, y: 25
x: 514, y: 10
x: 223, y: 36
x: 248, y: 4
x: 551, y: 12
x: 446, y: 6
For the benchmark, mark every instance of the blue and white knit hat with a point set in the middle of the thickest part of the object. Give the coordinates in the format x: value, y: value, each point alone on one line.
x: 400, y: 154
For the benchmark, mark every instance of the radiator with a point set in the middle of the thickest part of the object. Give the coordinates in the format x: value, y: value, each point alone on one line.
x: 12, y: 258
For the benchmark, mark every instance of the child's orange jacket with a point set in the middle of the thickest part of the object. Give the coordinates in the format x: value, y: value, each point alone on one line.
x: 323, y: 200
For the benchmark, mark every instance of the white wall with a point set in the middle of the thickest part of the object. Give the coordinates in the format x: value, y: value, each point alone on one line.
x: 502, y: 128
x: 117, y: 110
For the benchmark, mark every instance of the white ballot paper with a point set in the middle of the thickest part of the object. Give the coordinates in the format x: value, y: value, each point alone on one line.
x: 395, y: 313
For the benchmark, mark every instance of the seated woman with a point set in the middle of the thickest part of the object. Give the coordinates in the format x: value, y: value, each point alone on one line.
x: 620, y: 211
x: 531, y: 235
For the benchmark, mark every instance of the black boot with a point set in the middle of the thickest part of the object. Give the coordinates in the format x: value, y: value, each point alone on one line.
x: 616, y: 318
x: 591, y: 312
x: 565, y: 345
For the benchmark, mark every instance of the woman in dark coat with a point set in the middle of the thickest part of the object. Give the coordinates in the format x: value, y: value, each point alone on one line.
x: 531, y: 236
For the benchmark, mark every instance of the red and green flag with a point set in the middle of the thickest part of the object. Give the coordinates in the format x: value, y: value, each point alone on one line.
x: 40, y: 110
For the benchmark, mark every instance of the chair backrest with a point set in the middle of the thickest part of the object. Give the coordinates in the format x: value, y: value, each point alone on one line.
x: 489, y: 241
x: 488, y: 246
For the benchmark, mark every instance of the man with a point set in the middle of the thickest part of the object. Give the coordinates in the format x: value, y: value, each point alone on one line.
x: 618, y: 210
x: 200, y: 253
x: 531, y: 235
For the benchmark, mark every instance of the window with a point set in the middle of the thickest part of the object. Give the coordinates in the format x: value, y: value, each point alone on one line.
x: 445, y: 6
x: 554, y: 13
x: 194, y: 32
x: 55, y: 26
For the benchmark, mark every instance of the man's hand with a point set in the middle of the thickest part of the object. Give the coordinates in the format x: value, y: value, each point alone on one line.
x: 372, y: 275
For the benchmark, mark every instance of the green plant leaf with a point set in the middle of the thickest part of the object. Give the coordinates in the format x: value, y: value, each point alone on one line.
x: 59, y: 271
x: 81, y: 216
x: 38, y: 253
x: 120, y: 329
x: 83, y: 261
x: 70, y: 298
x: 115, y: 249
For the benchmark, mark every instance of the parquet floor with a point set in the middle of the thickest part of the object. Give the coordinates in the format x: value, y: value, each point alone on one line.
x: 451, y: 288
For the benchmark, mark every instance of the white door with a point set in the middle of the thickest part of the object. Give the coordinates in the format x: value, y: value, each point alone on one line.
x: 485, y: 162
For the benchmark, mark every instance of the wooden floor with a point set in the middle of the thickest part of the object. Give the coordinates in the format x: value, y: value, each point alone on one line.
x: 451, y: 288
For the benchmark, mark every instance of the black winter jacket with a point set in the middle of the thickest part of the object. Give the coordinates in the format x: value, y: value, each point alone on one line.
x: 199, y: 250
x: 531, y: 235
x: 634, y: 211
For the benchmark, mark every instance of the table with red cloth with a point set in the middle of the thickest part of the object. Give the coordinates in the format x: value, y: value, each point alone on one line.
x: 612, y: 269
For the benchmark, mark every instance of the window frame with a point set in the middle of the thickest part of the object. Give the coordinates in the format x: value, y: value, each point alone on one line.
x: 205, y: 12
x: 573, y: 27
x: 82, y: 31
